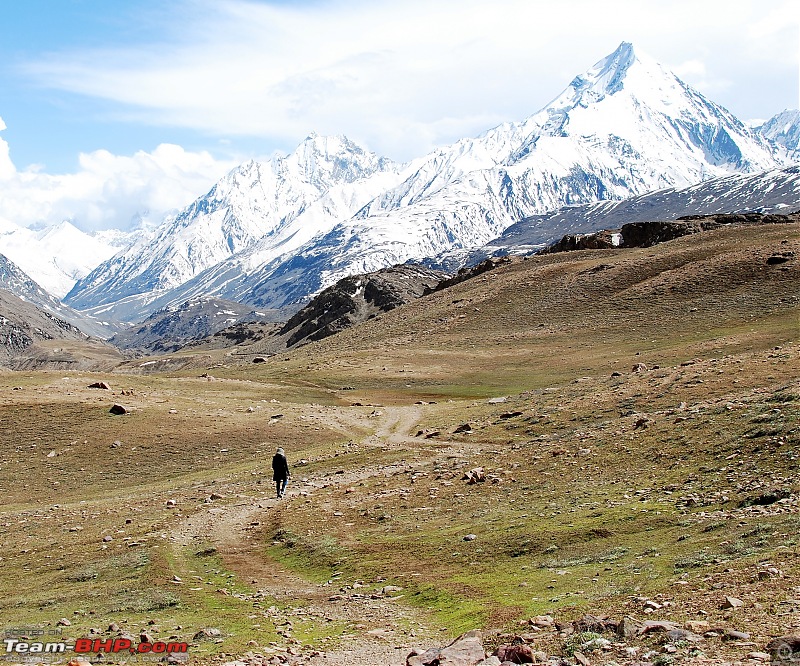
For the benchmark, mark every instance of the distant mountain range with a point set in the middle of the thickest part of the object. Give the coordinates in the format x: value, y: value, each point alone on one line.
x: 766, y: 192
x: 272, y: 234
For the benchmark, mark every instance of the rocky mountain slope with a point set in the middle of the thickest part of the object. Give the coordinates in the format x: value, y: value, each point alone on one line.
x: 170, y: 329
x: 273, y: 234
x: 18, y: 283
x: 21, y: 324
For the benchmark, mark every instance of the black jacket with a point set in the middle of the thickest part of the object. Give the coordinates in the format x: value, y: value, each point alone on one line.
x: 280, y: 468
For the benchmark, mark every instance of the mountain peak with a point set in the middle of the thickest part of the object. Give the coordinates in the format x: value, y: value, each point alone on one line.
x: 608, y: 75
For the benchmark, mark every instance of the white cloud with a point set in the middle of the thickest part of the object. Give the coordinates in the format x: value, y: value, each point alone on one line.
x: 402, y: 77
x: 108, y: 191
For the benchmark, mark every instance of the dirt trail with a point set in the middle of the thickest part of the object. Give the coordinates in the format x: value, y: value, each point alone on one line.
x: 374, y: 635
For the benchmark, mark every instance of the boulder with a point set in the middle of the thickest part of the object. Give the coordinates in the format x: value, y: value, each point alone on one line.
x: 466, y: 650
x: 100, y: 385
x: 518, y: 653
x: 784, y: 650
x: 477, y: 475
x: 118, y: 409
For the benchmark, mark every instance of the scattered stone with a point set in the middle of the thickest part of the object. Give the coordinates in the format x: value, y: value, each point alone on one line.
x: 116, y: 444
x: 657, y: 625
x: 113, y: 627
x: 473, y: 476
x: 215, y: 496
x: 697, y: 626
x: 63, y: 622
x: 470, y: 537
x: 173, y: 411
x: 207, y: 632
x: 490, y: 661
x: 581, y: 658
x: 759, y: 656
x: 732, y: 635
x: 510, y: 415
x: 616, y: 374
x: 466, y: 650
x: 100, y: 385
x: 118, y: 410
x: 785, y: 650
x: 516, y: 653
x: 259, y: 359
x: 639, y: 367
x: 681, y: 635
x: 732, y: 602
x: 464, y: 427
x: 172, y: 502
x: 496, y: 401
x: 542, y: 621
x: 629, y: 628
x: 108, y: 538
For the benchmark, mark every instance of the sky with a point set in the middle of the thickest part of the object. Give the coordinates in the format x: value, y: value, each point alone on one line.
x: 113, y: 111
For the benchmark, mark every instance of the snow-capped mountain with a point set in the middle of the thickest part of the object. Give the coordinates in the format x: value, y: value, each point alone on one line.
x: 272, y: 234
x: 269, y: 209
x: 784, y: 129
x: 14, y: 280
x: 775, y: 191
x: 57, y: 256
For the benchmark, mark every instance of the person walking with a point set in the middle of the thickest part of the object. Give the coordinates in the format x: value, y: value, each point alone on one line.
x: 280, y: 472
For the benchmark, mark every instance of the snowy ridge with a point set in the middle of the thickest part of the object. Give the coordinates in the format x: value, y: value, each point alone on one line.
x: 274, y: 234
x: 56, y: 257
x: 784, y: 130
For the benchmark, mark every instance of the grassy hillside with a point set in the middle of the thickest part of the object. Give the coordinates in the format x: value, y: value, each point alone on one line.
x: 635, y: 414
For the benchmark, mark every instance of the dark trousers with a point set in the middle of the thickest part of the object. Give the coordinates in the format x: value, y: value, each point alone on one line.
x: 280, y: 486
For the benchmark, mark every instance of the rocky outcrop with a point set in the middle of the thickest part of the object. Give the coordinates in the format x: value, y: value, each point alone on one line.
x: 358, y: 298
x: 172, y: 328
x: 646, y: 234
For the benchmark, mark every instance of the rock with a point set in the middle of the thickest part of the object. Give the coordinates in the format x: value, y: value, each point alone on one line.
x: 594, y: 624
x: 144, y: 637
x: 628, y: 628
x: 63, y: 622
x: 696, y: 626
x: 466, y: 650
x: 518, y: 653
x: 490, y: 661
x: 639, y: 367
x: 215, y: 496
x: 616, y: 374
x: 542, y: 621
x: 759, y: 656
x: 681, y: 635
x: 657, y: 625
x: 496, y: 401
x: 118, y: 410
x: 785, y: 650
x: 113, y: 627
x: 473, y: 476
x: 172, y: 502
x: 470, y: 537
x: 582, y: 659
x: 510, y: 415
x: 259, y: 359
x: 732, y: 635
x: 207, y: 632
x: 100, y: 385
x: 108, y: 538
x: 732, y: 602
x: 464, y: 427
